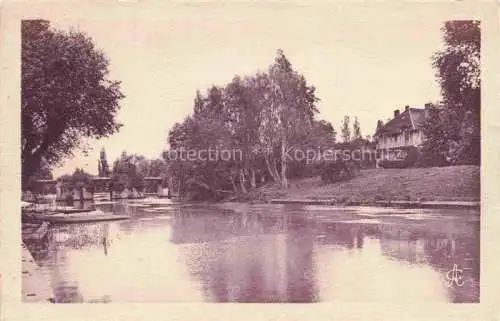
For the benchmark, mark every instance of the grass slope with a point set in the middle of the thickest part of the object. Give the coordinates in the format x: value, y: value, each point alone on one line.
x: 454, y: 183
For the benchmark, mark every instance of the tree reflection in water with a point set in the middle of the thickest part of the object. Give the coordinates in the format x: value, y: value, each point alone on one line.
x: 264, y: 253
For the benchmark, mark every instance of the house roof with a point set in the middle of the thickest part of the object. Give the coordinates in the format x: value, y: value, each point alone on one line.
x: 45, y: 181
x: 412, y: 119
x: 100, y: 178
x: 152, y: 178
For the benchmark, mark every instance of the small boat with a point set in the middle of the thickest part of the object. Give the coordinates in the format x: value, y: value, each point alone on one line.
x: 102, y: 196
x: 156, y: 201
x: 87, y: 217
x: 97, y: 202
x: 25, y: 205
x: 82, y: 219
x: 71, y: 210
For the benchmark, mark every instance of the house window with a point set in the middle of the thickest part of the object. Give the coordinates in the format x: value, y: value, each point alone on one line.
x: 407, y: 136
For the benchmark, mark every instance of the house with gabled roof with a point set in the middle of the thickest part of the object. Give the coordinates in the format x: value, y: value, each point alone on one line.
x: 402, y: 133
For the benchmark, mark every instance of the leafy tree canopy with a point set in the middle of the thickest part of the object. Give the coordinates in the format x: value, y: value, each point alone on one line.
x: 65, y: 93
x: 453, y: 133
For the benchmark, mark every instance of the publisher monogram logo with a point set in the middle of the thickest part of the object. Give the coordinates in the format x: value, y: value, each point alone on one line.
x: 454, y: 277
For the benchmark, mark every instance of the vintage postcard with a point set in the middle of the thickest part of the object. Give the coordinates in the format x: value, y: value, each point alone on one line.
x: 322, y: 160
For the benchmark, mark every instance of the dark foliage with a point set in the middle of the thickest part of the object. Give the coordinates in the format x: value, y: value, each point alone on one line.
x: 410, y: 157
x: 339, y: 170
x: 65, y: 95
x: 452, y: 134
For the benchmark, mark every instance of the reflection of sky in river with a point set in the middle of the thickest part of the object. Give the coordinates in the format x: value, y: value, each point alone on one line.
x: 368, y: 275
x: 148, y: 277
x: 262, y: 254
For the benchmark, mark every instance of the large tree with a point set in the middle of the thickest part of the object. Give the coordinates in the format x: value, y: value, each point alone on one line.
x: 292, y: 106
x: 78, y: 179
x: 102, y: 165
x: 346, y: 130
x: 458, y: 73
x: 356, y: 130
x: 66, y: 95
x: 262, y: 118
x: 126, y: 173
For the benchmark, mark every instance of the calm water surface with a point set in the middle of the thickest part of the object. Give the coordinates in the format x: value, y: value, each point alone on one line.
x: 264, y: 253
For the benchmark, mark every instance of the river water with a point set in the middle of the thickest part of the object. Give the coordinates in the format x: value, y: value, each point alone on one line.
x: 265, y: 253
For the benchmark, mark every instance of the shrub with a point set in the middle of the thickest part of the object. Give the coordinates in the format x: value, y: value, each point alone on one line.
x: 339, y: 171
x: 412, y: 159
x: 432, y: 160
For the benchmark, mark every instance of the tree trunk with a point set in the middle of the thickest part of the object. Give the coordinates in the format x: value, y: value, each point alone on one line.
x: 252, y: 178
x: 82, y: 196
x: 271, y: 169
x: 242, y: 182
x: 180, y: 188
x: 275, y: 170
x: 31, y: 160
x: 28, y: 169
x: 235, y: 188
x: 284, y: 181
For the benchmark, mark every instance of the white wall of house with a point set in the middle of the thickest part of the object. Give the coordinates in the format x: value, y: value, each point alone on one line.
x: 418, y: 138
x: 401, y: 140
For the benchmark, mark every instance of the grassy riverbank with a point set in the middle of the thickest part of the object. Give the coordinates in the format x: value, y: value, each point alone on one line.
x: 454, y: 183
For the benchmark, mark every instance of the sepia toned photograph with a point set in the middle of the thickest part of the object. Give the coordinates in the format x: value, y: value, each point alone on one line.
x: 263, y: 154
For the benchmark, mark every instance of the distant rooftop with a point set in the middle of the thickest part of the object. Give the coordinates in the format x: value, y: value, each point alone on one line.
x: 45, y: 181
x: 99, y: 178
x: 409, y: 118
x: 152, y: 178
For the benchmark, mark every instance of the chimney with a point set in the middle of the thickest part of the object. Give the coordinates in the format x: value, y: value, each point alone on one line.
x: 396, y: 113
x: 407, y: 108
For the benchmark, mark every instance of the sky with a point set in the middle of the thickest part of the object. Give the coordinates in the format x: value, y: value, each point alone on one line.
x: 364, y: 61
